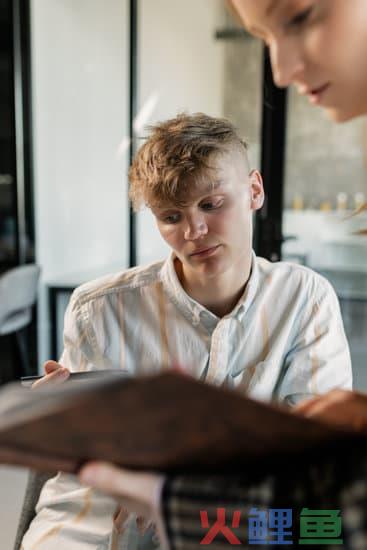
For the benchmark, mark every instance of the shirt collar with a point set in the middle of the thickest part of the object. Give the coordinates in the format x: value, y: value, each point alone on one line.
x: 190, y: 308
x: 194, y: 311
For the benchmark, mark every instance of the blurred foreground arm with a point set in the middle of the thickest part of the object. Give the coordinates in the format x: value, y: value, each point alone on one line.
x: 137, y: 492
x: 345, y: 409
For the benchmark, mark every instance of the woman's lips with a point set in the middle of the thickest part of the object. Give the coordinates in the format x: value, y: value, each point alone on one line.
x: 315, y: 96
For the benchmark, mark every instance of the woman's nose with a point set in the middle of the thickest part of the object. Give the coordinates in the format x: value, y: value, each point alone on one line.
x: 286, y: 61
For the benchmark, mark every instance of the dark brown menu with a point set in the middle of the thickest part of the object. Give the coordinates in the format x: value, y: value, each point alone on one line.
x: 167, y: 422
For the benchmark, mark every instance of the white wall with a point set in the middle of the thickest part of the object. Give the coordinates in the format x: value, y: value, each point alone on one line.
x: 181, y: 67
x: 80, y: 110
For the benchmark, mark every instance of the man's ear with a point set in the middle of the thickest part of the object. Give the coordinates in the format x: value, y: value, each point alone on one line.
x: 257, y: 190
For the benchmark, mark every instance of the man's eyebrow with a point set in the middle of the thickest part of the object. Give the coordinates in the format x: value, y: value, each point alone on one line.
x: 214, y: 185
x: 207, y: 189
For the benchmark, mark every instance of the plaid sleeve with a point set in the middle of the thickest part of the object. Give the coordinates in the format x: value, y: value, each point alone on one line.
x: 192, y: 505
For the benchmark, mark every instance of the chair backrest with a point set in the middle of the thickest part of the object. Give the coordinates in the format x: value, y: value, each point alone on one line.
x: 18, y: 291
x: 36, y: 481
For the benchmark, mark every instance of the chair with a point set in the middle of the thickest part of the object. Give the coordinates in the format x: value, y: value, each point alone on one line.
x: 36, y: 481
x: 18, y: 291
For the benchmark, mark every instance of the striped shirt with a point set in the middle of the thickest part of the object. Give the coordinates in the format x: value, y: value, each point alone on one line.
x: 283, y: 341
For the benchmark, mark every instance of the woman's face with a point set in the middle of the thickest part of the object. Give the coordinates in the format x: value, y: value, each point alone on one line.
x: 320, y: 46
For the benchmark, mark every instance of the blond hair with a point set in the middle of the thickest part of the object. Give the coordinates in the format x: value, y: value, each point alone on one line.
x: 176, y: 157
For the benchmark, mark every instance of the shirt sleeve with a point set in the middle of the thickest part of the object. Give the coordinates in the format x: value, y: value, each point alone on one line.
x: 69, y: 515
x: 80, y: 352
x: 318, y: 359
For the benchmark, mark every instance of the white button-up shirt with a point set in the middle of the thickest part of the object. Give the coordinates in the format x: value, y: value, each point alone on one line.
x: 283, y: 341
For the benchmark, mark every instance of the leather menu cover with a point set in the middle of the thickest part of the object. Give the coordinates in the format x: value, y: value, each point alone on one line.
x: 166, y: 422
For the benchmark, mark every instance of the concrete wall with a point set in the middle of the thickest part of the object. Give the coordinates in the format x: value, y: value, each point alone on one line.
x: 323, y: 158
x: 243, y: 90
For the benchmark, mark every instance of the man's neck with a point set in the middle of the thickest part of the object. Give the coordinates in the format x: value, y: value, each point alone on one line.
x: 217, y: 294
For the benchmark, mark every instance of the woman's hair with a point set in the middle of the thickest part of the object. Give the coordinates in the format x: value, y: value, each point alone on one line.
x: 177, y: 157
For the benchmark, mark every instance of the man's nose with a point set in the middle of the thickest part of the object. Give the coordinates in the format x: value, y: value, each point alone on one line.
x: 196, y: 227
x: 286, y: 61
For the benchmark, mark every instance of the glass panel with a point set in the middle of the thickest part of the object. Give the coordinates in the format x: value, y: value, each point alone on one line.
x: 193, y: 58
x: 7, y: 144
x: 325, y: 182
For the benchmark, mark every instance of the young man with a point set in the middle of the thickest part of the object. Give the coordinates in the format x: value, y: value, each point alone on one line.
x: 273, y: 331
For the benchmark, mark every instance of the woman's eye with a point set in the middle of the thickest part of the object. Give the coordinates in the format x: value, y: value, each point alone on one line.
x: 301, y: 17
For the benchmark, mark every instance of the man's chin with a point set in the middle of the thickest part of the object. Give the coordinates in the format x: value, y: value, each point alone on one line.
x: 211, y: 268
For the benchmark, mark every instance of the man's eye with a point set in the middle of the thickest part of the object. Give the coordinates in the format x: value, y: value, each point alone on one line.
x: 211, y: 205
x: 172, y: 218
x: 301, y: 17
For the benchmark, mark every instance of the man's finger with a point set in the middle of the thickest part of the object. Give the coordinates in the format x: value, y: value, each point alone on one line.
x: 56, y: 377
x: 143, y: 524
x: 51, y: 366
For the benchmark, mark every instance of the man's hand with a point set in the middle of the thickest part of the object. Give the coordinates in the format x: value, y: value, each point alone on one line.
x: 55, y: 374
x: 341, y: 408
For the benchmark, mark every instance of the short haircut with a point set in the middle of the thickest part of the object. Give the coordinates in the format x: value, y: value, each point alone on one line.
x: 176, y: 158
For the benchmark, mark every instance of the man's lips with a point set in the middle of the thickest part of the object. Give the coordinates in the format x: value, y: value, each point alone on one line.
x: 204, y: 250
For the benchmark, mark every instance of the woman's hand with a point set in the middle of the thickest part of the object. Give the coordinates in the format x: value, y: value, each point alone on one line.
x: 139, y: 491
x: 136, y: 492
x: 340, y: 408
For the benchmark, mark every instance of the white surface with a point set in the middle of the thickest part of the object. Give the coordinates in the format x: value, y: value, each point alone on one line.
x: 80, y: 114
x: 12, y: 482
x: 80, y: 117
x: 326, y: 239
x: 182, y: 67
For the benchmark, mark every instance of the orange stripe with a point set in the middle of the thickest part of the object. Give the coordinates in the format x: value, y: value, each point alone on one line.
x: 52, y: 532
x: 81, y: 515
x: 86, y: 508
x: 122, y: 332
x: 162, y: 324
x: 315, y: 361
x: 265, y: 333
x: 251, y: 369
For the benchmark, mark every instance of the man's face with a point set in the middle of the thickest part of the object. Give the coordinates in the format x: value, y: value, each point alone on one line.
x: 317, y: 45
x: 213, y: 232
